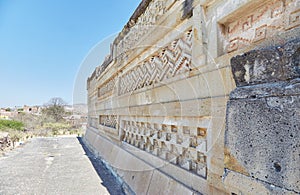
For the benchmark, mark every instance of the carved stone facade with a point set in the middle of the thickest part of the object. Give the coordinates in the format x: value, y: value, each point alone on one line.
x: 108, y: 121
x: 181, y: 145
x: 152, y: 14
x: 166, y: 63
x: 167, y: 107
x: 107, y: 88
x: 266, y: 21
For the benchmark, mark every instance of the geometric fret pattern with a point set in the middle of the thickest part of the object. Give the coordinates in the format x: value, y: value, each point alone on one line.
x: 181, y: 145
x: 108, y: 121
x: 143, y: 25
x: 107, y: 87
x: 265, y: 21
x: 166, y: 63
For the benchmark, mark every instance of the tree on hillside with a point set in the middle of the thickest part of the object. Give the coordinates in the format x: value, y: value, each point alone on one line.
x: 55, y: 108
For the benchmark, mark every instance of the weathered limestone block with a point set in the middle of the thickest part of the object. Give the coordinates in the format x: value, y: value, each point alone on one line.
x: 140, y: 176
x: 263, y: 116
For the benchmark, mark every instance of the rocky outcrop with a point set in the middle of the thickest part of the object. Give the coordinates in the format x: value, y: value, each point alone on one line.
x: 5, y: 141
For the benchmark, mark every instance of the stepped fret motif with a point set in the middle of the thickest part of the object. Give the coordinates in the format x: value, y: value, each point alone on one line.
x: 108, y: 121
x: 168, y: 62
x: 107, y: 87
x: 144, y: 23
x: 266, y: 21
x: 181, y: 145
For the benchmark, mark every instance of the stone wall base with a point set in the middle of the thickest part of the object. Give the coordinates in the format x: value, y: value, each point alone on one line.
x: 137, y: 176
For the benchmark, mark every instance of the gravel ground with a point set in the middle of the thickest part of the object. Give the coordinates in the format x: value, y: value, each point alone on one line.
x: 58, y: 165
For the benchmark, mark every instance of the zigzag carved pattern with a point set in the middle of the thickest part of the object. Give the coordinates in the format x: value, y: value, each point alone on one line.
x: 168, y: 62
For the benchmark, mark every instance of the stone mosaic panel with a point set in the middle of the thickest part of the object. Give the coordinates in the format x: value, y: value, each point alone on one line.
x: 107, y: 87
x: 265, y: 21
x: 108, y: 121
x: 145, y: 22
x: 166, y: 63
x: 181, y: 145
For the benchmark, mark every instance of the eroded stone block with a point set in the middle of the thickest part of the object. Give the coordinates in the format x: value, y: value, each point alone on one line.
x: 266, y: 66
x: 262, y: 138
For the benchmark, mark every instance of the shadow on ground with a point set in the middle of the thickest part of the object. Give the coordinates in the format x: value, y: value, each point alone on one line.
x: 108, y: 180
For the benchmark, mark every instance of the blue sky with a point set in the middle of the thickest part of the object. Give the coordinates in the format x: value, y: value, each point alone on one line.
x: 44, y: 43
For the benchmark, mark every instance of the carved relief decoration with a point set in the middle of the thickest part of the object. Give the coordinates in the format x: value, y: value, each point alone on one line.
x: 108, y: 121
x: 98, y: 71
x: 166, y: 63
x: 181, y: 145
x: 145, y: 22
x: 265, y: 21
x: 107, y: 87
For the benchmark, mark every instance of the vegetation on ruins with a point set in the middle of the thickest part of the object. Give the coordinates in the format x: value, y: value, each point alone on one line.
x: 52, y: 120
x: 55, y: 109
x: 14, y: 128
x: 11, y: 124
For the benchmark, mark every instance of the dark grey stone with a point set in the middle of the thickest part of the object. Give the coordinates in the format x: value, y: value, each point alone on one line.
x: 267, y: 65
x: 264, y: 136
x: 187, y: 9
x: 263, y: 115
x: 282, y: 88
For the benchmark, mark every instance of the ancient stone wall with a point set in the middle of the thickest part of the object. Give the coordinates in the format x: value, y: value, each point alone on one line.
x: 157, y: 104
x: 263, y: 116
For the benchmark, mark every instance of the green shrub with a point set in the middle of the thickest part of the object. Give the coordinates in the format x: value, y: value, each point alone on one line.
x: 57, y: 128
x: 11, y: 124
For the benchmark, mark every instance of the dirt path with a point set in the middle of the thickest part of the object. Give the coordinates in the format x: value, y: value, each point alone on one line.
x: 54, y: 166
